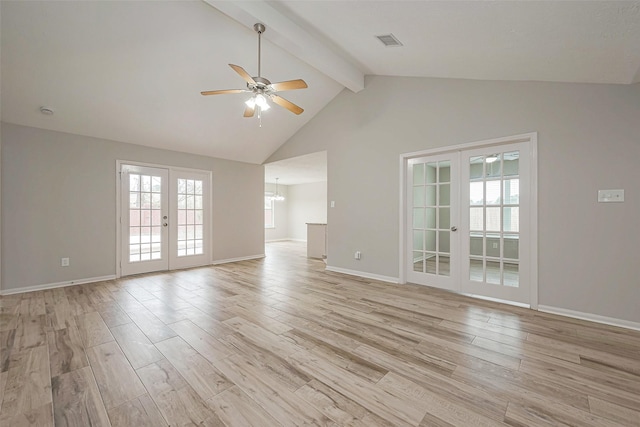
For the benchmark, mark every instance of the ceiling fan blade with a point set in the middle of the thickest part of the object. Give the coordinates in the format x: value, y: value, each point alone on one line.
x: 238, y: 69
x: 286, y: 104
x: 220, y: 92
x: 289, y: 85
x: 249, y: 111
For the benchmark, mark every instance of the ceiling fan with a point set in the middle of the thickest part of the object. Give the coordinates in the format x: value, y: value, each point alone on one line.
x: 261, y: 88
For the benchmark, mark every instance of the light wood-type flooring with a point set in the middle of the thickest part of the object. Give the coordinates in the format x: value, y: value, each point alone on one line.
x: 280, y: 342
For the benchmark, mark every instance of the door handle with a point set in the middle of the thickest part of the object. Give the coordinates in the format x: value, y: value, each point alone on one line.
x: 164, y: 224
x: 454, y: 228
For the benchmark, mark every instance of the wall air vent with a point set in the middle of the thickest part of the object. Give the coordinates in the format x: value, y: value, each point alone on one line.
x: 389, y: 40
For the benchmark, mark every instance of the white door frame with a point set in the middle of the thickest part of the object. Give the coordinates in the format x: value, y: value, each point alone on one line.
x: 532, y: 138
x: 171, y: 169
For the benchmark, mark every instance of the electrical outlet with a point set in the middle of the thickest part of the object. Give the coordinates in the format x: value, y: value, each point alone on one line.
x: 357, y: 255
x: 64, y: 262
x: 495, y: 245
x: 333, y: 203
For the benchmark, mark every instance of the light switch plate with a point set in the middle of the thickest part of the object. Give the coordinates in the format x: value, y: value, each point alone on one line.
x: 609, y: 196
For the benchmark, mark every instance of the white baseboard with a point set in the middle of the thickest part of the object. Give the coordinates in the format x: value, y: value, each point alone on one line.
x: 363, y: 274
x: 285, y: 240
x: 56, y: 285
x: 243, y: 258
x: 498, y: 300
x: 590, y: 317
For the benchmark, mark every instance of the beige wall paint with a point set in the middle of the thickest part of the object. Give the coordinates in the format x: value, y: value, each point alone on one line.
x: 58, y: 200
x: 588, y: 139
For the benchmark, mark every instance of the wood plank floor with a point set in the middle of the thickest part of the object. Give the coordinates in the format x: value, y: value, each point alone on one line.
x: 281, y: 342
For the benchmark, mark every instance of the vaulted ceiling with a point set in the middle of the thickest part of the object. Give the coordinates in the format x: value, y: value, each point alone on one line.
x: 133, y: 71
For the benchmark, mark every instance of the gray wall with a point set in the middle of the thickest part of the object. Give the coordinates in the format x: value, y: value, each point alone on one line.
x: 588, y: 139
x: 307, y: 203
x: 58, y: 199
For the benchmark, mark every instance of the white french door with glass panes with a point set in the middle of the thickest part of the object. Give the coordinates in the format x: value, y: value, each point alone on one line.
x: 495, y: 214
x: 144, y: 219
x: 164, y: 219
x: 433, y: 197
x: 469, y: 220
x: 190, y: 228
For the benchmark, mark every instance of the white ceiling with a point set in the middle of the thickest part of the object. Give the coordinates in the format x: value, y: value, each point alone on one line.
x: 132, y: 71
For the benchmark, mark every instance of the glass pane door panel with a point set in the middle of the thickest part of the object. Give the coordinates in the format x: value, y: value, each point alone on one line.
x: 430, y: 240
x: 511, y: 163
x: 418, y: 240
x: 418, y: 174
x: 476, y: 270
x: 511, y: 219
x: 493, y: 165
x: 444, y: 195
x: 494, y: 222
x: 511, y: 191
x: 511, y: 274
x: 431, y: 219
x: 431, y: 195
x: 444, y: 217
x: 418, y: 262
x: 476, y: 219
x: 430, y: 264
x: 418, y: 196
x: 493, y: 192
x: 146, y: 199
x: 493, y: 219
x: 431, y: 173
x: 189, y: 216
x: 418, y: 218
x: 476, y: 168
x: 476, y: 193
x: 144, y: 238
x: 444, y: 171
x: 493, y: 272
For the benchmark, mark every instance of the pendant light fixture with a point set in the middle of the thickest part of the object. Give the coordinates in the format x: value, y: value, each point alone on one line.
x: 277, y: 196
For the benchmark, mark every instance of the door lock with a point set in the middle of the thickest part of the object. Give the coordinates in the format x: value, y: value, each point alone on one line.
x: 454, y: 228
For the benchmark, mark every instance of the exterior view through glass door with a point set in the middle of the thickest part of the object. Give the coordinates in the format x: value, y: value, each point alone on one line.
x: 164, y: 219
x: 468, y: 221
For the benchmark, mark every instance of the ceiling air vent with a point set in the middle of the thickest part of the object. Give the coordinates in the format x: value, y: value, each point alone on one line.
x: 389, y: 40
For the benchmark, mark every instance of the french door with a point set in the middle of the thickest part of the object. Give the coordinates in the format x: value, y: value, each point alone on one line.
x: 433, y: 197
x: 495, y: 205
x: 164, y: 219
x: 469, y: 221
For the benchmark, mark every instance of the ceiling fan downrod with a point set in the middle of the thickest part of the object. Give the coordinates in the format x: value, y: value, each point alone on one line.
x: 259, y: 28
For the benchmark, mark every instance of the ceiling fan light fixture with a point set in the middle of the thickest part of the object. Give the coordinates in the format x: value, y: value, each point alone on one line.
x: 261, y: 102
